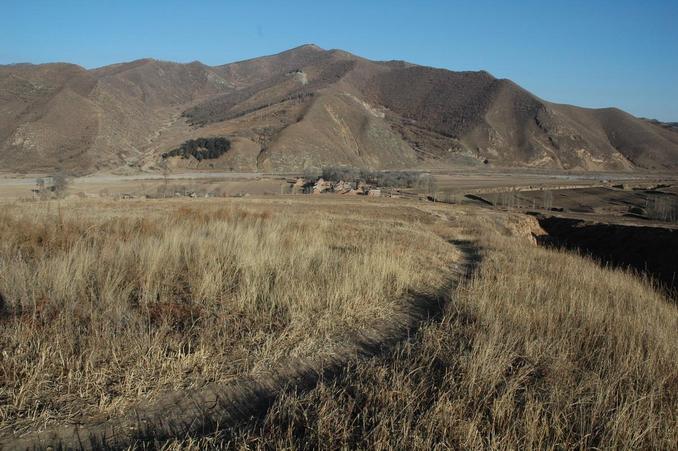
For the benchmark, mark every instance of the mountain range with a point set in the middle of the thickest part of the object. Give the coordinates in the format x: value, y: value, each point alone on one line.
x: 305, y: 108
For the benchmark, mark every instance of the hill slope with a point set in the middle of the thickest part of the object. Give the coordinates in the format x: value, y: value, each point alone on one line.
x: 306, y: 107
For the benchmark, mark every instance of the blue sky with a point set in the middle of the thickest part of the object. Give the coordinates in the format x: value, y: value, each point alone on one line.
x: 590, y: 53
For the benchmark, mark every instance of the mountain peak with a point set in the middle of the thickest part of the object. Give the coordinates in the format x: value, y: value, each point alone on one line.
x: 309, y: 46
x: 304, y: 49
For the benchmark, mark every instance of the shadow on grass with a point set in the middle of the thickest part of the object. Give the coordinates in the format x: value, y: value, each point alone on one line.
x: 220, y: 407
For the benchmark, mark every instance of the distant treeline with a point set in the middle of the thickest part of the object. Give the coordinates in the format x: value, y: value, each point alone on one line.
x: 386, y: 179
x: 201, y: 149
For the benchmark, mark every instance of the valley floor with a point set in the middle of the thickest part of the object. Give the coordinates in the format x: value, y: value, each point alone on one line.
x: 451, y: 182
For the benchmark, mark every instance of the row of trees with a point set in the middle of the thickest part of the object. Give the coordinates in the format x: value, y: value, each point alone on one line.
x: 385, y: 179
x: 662, y: 207
x: 201, y: 149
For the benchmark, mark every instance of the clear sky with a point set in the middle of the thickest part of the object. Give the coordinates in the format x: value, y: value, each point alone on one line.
x: 592, y: 53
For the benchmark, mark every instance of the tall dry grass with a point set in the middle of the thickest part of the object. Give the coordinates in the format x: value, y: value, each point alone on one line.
x: 106, y: 304
x: 541, y: 349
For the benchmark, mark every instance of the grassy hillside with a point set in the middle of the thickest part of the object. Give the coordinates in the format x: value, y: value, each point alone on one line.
x: 107, y: 305
x: 539, y: 349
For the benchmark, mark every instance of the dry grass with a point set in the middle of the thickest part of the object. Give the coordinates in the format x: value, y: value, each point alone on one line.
x: 113, y: 303
x: 105, y: 304
x: 541, y: 349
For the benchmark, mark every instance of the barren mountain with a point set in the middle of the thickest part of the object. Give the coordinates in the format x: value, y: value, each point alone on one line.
x: 306, y: 107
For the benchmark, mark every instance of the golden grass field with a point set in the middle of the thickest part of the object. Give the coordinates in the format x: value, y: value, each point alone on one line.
x: 107, y: 304
x: 540, y: 349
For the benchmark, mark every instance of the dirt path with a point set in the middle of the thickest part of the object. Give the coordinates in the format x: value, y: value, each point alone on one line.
x: 221, y: 406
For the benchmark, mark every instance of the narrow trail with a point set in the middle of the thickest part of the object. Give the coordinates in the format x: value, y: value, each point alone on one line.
x: 222, y: 406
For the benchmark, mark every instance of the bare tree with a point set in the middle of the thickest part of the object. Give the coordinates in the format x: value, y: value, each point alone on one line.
x: 432, y: 186
x: 166, y: 172
x: 39, y: 190
x: 60, y: 183
x: 548, y: 199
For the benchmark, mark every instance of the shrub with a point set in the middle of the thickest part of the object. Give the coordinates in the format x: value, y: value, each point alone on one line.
x: 201, y: 149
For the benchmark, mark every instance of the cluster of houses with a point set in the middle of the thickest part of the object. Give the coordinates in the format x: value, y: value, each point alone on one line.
x: 319, y: 186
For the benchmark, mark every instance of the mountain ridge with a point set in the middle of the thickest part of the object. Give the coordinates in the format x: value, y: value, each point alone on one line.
x: 307, y: 107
